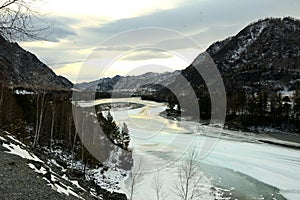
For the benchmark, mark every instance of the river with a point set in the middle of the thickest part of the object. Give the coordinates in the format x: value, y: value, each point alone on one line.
x: 233, y: 163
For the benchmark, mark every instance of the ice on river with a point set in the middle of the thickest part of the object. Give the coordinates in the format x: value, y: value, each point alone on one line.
x: 161, y: 143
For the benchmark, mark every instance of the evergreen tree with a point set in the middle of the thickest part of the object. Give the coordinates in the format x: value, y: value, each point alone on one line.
x: 178, y: 109
x: 101, y: 119
x: 205, y: 106
x: 111, y: 129
x: 279, y: 109
x: 242, y: 102
x: 296, y: 107
x: 125, y: 136
x: 251, y: 105
x: 286, y: 108
x: 273, y: 109
x: 171, y: 104
x: 261, y: 107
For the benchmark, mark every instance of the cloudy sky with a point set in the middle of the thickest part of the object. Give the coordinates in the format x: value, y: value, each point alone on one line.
x: 91, y: 39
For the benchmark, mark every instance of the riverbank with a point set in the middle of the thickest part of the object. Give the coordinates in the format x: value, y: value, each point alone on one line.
x: 266, y: 135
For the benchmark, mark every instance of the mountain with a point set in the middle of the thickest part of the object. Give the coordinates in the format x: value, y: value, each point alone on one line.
x: 133, y: 84
x: 20, y: 68
x: 260, y: 68
x: 263, y: 56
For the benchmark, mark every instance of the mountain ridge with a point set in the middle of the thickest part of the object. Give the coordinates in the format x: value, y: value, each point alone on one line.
x: 149, y: 81
x: 263, y: 55
x: 20, y: 68
x: 267, y: 50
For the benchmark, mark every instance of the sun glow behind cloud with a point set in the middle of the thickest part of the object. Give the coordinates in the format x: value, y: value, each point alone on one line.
x: 80, y: 26
x: 133, y: 63
x: 131, y: 67
x: 93, y: 13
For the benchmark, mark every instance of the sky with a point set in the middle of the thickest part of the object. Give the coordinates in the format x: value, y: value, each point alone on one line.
x: 92, y: 39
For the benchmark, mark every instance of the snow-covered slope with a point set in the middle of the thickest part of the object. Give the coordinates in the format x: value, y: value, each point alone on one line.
x: 53, y: 173
x: 60, y: 184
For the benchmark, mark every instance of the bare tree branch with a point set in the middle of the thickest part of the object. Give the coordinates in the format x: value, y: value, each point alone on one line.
x: 189, y: 174
x: 136, y: 177
x: 157, y: 185
x: 18, y: 21
x: 7, y: 3
x: 41, y: 101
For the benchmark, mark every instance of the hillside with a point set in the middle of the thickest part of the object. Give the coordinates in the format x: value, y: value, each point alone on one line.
x: 26, y: 175
x: 20, y: 68
x: 264, y: 55
x: 260, y: 68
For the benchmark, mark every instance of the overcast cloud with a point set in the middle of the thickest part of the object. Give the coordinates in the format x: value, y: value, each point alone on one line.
x: 206, y: 21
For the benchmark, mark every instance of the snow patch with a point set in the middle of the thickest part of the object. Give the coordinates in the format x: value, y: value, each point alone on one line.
x: 55, y: 182
x: 17, y: 141
x: 23, y: 92
x: 63, y: 189
x: 17, y: 150
x: 3, y: 139
x: 73, y: 182
x: 244, y: 43
x: 40, y: 171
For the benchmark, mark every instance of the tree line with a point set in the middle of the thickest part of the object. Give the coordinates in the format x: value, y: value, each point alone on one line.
x: 43, y: 118
x: 264, y: 109
x: 245, y: 110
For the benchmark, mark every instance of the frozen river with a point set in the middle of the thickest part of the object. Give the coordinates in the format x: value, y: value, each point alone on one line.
x: 233, y: 163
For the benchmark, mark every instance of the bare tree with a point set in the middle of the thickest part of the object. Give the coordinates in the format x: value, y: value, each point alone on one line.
x: 136, y: 177
x: 17, y: 20
x: 157, y: 185
x: 1, y: 98
x: 79, y: 120
x: 53, y: 107
x: 40, y: 110
x: 188, y: 187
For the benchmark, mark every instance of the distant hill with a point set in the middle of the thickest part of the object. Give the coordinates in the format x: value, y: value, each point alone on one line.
x: 130, y: 84
x: 20, y: 68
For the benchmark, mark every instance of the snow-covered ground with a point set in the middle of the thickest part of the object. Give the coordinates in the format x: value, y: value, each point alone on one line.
x: 18, y: 148
x: 239, y: 158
